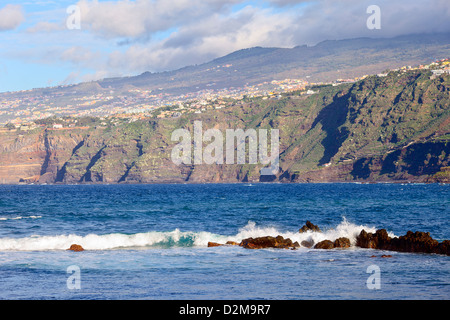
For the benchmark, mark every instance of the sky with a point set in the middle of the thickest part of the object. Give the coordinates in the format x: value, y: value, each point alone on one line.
x: 49, y: 43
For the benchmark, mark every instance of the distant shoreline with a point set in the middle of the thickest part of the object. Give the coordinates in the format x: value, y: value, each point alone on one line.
x: 221, y: 183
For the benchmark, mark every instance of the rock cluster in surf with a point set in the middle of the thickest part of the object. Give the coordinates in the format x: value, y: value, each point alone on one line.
x: 418, y: 241
x: 411, y: 242
x: 262, y: 242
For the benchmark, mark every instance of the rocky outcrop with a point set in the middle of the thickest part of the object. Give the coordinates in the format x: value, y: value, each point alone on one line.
x: 309, y: 227
x: 325, y: 244
x: 411, y: 242
x: 338, y: 243
x: 269, y: 242
x: 379, y: 240
x: 307, y: 244
x: 228, y: 243
x: 214, y: 244
x: 342, y: 243
x: 76, y: 248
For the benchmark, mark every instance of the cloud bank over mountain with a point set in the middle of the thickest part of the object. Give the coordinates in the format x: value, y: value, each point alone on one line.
x: 125, y: 37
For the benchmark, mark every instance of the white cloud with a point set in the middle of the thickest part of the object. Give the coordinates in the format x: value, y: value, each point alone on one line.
x: 213, y: 36
x: 11, y: 16
x: 45, y: 27
x: 139, y: 18
x: 79, y: 55
x: 203, y: 30
x: 130, y: 37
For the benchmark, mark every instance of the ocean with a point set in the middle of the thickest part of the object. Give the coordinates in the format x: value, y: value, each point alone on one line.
x: 149, y: 242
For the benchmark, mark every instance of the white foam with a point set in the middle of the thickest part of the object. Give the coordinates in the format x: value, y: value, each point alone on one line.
x: 344, y: 229
x: 108, y: 241
x: 19, y: 218
x: 174, y: 238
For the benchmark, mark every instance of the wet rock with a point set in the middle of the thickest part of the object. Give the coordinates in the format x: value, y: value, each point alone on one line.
x: 414, y: 242
x: 364, y: 240
x: 76, y: 248
x: 444, y: 247
x: 338, y: 243
x: 214, y: 244
x: 269, y: 242
x: 325, y: 244
x: 379, y: 240
x: 228, y: 243
x: 342, y: 243
x: 411, y: 242
x: 307, y: 244
x: 309, y: 227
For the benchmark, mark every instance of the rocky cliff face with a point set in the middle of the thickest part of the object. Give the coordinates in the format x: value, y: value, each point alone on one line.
x: 34, y: 157
x: 394, y: 128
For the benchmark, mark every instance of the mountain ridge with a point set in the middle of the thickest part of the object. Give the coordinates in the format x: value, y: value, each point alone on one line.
x: 321, y: 63
x: 323, y: 48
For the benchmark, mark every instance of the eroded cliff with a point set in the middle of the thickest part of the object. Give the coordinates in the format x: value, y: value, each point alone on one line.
x: 393, y: 128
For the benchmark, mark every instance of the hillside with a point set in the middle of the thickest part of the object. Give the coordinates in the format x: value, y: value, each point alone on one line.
x: 236, y: 73
x: 326, y: 61
x: 382, y: 128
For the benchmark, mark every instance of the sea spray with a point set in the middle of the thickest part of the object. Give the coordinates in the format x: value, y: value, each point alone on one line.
x: 344, y: 229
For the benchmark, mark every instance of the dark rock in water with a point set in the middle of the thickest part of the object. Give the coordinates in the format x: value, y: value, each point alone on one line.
x: 76, y: 248
x: 342, y: 243
x: 228, y: 243
x: 338, y: 243
x: 364, y: 240
x: 325, y: 244
x: 214, y: 244
x: 309, y: 227
x: 268, y: 242
x: 411, y: 242
x: 444, y: 247
x: 307, y: 244
x: 414, y: 242
x: 379, y: 240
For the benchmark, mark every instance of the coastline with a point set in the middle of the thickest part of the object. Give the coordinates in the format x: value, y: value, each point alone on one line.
x: 399, y: 182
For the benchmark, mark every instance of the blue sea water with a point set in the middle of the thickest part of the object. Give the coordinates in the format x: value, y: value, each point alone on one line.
x: 150, y: 241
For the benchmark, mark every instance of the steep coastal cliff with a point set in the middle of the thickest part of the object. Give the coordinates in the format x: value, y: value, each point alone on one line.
x: 390, y: 128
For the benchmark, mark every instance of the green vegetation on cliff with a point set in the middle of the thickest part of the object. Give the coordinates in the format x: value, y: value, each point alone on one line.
x: 381, y: 128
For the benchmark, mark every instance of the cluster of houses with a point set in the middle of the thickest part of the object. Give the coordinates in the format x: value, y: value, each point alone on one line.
x: 140, y: 103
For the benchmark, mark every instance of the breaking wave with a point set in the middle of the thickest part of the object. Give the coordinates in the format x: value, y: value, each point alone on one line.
x: 344, y: 229
x: 175, y: 238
